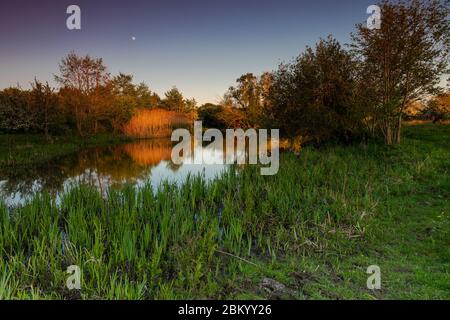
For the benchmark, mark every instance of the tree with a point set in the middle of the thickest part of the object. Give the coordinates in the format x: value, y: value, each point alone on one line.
x: 404, y: 59
x: 82, y: 73
x: 120, y: 112
x: 45, y: 106
x: 141, y: 93
x: 146, y: 98
x: 438, y: 108
x: 15, y: 113
x: 247, y: 95
x: 75, y: 104
x: 81, y: 78
x: 174, y: 100
x: 265, y: 84
x: 123, y: 85
x: 210, y: 114
x: 190, y: 104
x: 314, y: 95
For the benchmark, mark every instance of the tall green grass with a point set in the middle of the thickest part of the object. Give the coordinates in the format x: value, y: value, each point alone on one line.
x: 192, y: 240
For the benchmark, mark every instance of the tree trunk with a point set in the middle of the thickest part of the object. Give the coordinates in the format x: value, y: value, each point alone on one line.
x: 399, y: 130
x: 392, y: 130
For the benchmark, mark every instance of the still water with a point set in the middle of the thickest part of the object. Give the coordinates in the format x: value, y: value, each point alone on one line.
x: 137, y: 163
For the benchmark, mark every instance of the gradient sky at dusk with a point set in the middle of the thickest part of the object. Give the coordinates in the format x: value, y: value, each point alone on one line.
x: 199, y: 46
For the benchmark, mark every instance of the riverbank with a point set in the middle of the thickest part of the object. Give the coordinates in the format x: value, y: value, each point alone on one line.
x: 25, y: 149
x: 310, y: 232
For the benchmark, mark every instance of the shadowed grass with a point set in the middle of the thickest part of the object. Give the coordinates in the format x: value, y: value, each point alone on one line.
x: 22, y: 149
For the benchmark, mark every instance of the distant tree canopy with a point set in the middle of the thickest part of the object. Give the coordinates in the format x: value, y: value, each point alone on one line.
x: 438, y: 108
x: 174, y: 100
x: 89, y: 101
x: 123, y: 86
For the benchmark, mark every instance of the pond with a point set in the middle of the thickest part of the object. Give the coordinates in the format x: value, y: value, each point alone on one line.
x: 137, y: 163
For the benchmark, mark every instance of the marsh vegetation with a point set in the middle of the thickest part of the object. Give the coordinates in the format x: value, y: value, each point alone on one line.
x: 316, y: 227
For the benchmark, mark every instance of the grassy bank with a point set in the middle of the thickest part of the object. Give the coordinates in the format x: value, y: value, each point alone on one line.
x: 315, y: 227
x: 23, y: 149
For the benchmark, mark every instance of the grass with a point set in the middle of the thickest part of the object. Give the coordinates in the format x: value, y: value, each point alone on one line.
x: 315, y: 227
x: 25, y: 149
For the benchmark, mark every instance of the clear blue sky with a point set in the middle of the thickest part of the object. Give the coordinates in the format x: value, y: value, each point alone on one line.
x: 199, y: 46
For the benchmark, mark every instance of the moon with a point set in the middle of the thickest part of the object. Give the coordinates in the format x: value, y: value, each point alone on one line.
x: 133, y: 38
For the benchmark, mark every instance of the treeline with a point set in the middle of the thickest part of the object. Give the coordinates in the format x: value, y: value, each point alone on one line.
x: 89, y: 101
x: 366, y: 88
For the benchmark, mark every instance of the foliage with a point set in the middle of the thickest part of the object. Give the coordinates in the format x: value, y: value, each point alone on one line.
x: 314, y: 96
x: 174, y: 100
x: 209, y: 114
x: 89, y: 101
x: 15, y: 111
x: 141, y: 93
x: 82, y: 73
x: 250, y: 96
x: 327, y: 92
x: 404, y: 59
x: 438, y: 108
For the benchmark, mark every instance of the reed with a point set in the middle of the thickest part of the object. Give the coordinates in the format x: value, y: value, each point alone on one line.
x: 155, y: 123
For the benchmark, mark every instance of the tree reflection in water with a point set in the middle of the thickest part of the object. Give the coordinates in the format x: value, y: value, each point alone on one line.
x: 137, y: 163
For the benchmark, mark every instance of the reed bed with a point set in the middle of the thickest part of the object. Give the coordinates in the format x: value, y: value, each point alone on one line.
x: 155, y: 123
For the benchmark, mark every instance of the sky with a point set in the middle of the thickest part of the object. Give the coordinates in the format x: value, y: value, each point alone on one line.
x: 199, y: 46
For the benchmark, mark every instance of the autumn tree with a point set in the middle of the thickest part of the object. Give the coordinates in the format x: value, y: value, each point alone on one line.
x: 438, y: 108
x: 82, y: 73
x: 403, y: 60
x: 81, y: 77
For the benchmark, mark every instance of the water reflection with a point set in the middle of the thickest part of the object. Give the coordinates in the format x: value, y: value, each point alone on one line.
x: 137, y: 163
